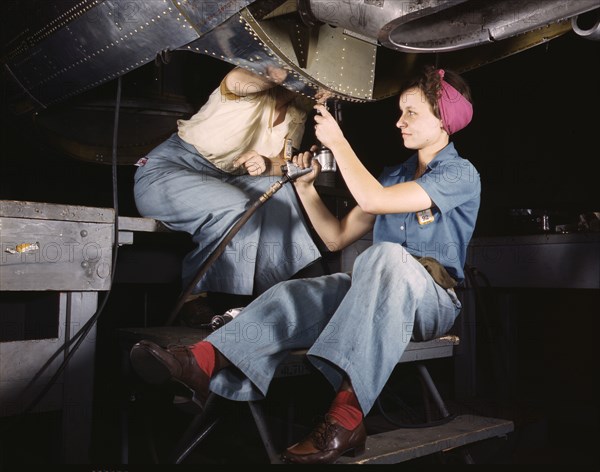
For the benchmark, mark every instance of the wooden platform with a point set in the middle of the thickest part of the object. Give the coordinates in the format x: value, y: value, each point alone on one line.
x: 405, y: 444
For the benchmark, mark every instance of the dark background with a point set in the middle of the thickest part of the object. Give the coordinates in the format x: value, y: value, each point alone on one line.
x: 534, y: 140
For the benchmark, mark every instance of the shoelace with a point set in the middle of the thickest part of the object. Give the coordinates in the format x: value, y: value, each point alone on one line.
x: 179, y: 348
x: 323, y: 434
x: 174, y: 347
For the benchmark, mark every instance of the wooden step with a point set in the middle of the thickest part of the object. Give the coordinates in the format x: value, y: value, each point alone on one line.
x: 405, y: 444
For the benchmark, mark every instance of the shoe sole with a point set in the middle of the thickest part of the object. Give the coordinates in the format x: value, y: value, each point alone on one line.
x: 350, y: 452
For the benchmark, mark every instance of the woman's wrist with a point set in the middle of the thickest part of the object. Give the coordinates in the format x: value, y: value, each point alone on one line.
x: 339, y: 148
x: 303, y: 187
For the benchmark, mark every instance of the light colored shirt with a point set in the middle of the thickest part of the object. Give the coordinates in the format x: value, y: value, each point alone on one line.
x: 454, y: 186
x: 229, y: 125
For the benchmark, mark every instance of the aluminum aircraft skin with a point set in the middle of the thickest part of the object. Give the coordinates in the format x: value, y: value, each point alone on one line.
x: 354, y: 49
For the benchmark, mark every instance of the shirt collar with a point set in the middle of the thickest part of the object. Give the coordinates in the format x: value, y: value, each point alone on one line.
x: 410, y: 165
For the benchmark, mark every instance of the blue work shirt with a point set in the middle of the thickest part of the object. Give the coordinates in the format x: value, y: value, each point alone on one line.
x: 454, y: 187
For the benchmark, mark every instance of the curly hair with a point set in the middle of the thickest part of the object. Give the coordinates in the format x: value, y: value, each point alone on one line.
x: 429, y: 82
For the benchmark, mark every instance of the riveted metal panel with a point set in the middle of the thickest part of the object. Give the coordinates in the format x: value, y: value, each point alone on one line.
x: 98, y: 41
x: 323, y: 59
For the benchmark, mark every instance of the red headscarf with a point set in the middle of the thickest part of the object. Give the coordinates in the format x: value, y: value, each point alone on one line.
x: 455, y: 110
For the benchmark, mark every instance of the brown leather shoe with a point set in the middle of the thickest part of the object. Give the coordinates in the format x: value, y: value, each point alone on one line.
x: 326, y: 443
x: 157, y: 365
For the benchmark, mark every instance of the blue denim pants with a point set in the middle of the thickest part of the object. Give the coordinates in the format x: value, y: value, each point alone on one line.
x: 180, y: 188
x: 355, y: 325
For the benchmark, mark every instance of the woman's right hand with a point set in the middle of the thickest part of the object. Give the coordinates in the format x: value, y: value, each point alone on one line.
x: 304, y: 160
x: 253, y: 162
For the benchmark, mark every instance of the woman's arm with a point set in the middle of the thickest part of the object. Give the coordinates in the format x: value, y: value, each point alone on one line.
x: 334, y: 233
x: 371, y: 196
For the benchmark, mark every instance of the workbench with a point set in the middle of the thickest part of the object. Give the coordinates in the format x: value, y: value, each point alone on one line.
x: 55, y: 262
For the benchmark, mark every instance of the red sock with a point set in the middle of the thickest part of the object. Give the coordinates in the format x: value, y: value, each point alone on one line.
x: 205, y: 356
x: 346, y: 410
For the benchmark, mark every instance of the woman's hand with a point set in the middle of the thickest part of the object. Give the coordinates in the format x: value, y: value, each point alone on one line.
x: 277, y: 75
x: 253, y: 162
x: 304, y: 160
x: 323, y: 95
x: 327, y: 129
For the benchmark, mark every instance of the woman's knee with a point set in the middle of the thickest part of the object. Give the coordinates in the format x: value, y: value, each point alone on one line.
x: 385, y: 254
x: 287, y: 289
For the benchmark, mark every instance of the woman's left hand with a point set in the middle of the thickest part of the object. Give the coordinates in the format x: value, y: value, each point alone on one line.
x: 305, y: 160
x: 253, y: 162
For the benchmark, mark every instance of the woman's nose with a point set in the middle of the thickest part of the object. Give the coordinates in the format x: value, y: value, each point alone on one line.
x: 400, y: 123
